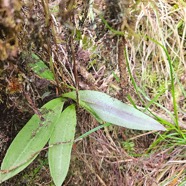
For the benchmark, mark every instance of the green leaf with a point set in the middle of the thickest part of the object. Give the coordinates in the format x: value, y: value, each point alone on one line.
x: 39, y: 67
x: 61, y: 142
x: 30, y: 140
x: 111, y: 110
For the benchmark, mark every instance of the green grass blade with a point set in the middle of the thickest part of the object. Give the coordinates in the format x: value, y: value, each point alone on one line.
x: 172, y: 80
x: 92, y: 130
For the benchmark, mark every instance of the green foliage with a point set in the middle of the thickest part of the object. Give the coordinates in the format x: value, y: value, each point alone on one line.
x: 59, y: 128
x: 30, y: 140
x: 40, y: 69
x: 175, y: 135
x: 111, y: 110
x: 128, y: 146
x: 62, y: 138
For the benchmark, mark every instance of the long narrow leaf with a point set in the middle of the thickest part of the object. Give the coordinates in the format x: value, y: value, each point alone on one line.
x: 30, y: 140
x: 61, y: 143
x: 114, y: 111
